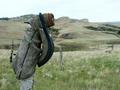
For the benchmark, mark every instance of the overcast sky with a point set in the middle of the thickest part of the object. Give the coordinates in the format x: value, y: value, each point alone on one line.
x: 94, y: 10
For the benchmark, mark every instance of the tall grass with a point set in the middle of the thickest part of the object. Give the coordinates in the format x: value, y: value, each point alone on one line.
x: 101, y: 72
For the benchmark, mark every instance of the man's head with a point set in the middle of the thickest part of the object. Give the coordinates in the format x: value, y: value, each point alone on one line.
x: 49, y: 19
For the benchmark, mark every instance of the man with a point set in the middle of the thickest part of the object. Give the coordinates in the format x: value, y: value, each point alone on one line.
x: 35, y: 49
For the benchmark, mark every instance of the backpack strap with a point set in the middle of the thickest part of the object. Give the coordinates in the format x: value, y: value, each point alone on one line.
x: 47, y: 43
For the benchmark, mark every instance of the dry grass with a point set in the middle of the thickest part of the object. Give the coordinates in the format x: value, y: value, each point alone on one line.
x: 83, y: 70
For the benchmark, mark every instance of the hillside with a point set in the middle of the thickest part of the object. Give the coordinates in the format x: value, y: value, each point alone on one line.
x: 68, y: 32
x: 76, y: 32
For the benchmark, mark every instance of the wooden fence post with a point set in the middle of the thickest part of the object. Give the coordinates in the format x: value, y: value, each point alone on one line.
x: 61, y: 58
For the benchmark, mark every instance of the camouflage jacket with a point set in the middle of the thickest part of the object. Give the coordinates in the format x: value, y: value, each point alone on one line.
x: 28, y: 53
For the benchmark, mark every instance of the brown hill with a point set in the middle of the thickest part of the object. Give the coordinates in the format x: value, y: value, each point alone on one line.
x: 68, y: 32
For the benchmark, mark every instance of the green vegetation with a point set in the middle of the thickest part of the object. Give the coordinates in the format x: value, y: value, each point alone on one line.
x: 90, y: 73
x: 113, y: 29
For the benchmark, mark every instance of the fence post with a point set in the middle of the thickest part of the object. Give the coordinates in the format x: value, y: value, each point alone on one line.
x: 12, y: 47
x: 112, y: 46
x: 61, y: 58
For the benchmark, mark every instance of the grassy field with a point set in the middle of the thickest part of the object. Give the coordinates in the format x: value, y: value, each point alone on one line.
x: 97, y: 68
x: 82, y: 70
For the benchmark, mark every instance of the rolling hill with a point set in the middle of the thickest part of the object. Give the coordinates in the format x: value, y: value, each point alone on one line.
x: 73, y: 33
